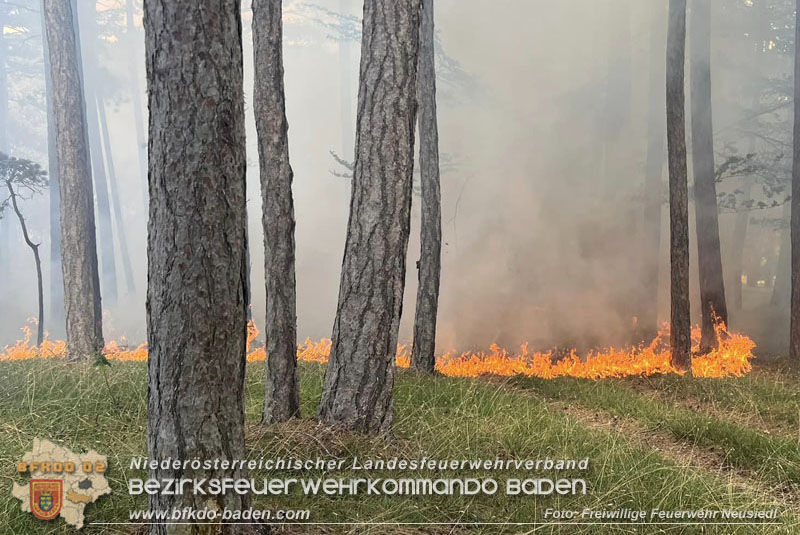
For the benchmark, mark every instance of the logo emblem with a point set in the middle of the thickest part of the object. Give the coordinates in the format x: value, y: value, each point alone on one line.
x: 46, y: 497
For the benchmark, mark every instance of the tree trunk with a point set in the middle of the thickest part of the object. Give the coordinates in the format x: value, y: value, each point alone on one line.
x: 782, y: 287
x: 79, y: 258
x: 345, y: 98
x: 282, y: 400
x: 740, y: 224
x: 5, y: 235
x: 108, y: 271
x: 422, y: 354
x: 654, y: 168
x: 113, y: 189
x: 709, y: 257
x: 56, y: 278
x: 35, y: 249
x: 358, y: 385
x: 681, y: 329
x: 617, y: 105
x: 613, y: 201
x: 136, y: 95
x: 249, y: 295
x: 3, y: 83
x: 196, y: 247
x: 794, y: 330
x: 733, y: 286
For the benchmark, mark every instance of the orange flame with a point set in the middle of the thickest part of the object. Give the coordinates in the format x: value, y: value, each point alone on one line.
x: 730, y: 359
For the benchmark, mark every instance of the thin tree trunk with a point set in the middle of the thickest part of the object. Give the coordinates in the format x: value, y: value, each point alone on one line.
x: 113, y: 189
x: 740, y: 224
x: 345, y: 98
x: 35, y: 249
x: 709, y: 256
x: 423, y: 350
x: 5, y: 235
x: 249, y: 295
x: 653, y: 185
x: 3, y: 83
x: 56, y: 278
x: 783, y: 273
x: 136, y: 95
x: 357, y: 392
x: 79, y: 258
x: 794, y: 330
x: 196, y: 247
x: 108, y: 266
x: 105, y: 233
x: 617, y: 105
x: 733, y: 285
x: 616, y: 162
x: 282, y: 400
x: 680, y: 329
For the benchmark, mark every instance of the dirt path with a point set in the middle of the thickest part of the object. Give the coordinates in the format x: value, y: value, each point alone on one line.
x: 711, y: 408
x: 710, y: 461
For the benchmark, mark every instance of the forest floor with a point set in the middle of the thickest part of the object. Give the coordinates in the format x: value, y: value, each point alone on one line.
x: 663, y: 442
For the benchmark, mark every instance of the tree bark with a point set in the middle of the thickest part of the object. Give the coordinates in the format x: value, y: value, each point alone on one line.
x: 79, y: 250
x: 56, y: 279
x: 282, y: 400
x: 357, y: 392
x: 653, y: 186
x: 197, y: 272
x: 794, y: 335
x: 108, y: 267
x: 709, y: 257
x: 35, y: 249
x: 680, y: 329
x: 423, y: 349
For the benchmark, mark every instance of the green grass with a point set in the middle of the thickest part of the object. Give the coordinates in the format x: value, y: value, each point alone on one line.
x: 775, y: 458
x: 769, y: 396
x: 435, y: 417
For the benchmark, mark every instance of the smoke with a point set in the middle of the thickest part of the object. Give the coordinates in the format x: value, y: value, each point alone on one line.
x: 544, y: 132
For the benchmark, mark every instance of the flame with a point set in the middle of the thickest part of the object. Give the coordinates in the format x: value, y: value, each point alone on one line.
x: 730, y: 359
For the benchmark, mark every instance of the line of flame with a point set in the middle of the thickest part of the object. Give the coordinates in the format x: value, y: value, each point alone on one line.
x: 730, y: 359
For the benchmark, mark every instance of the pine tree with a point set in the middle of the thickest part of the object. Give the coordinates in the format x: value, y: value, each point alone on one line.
x: 282, y: 400
x: 357, y: 392
x: 680, y: 330
x: 196, y: 249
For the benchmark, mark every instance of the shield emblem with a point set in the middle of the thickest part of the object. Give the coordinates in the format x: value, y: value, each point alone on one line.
x: 46, y: 497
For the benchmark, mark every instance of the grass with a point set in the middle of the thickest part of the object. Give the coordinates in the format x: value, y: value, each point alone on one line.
x: 768, y: 396
x: 438, y: 417
x: 774, y: 458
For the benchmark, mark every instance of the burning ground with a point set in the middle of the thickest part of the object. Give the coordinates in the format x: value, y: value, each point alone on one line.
x: 730, y: 359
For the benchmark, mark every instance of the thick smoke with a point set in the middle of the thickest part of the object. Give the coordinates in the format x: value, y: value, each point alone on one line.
x: 543, y: 116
